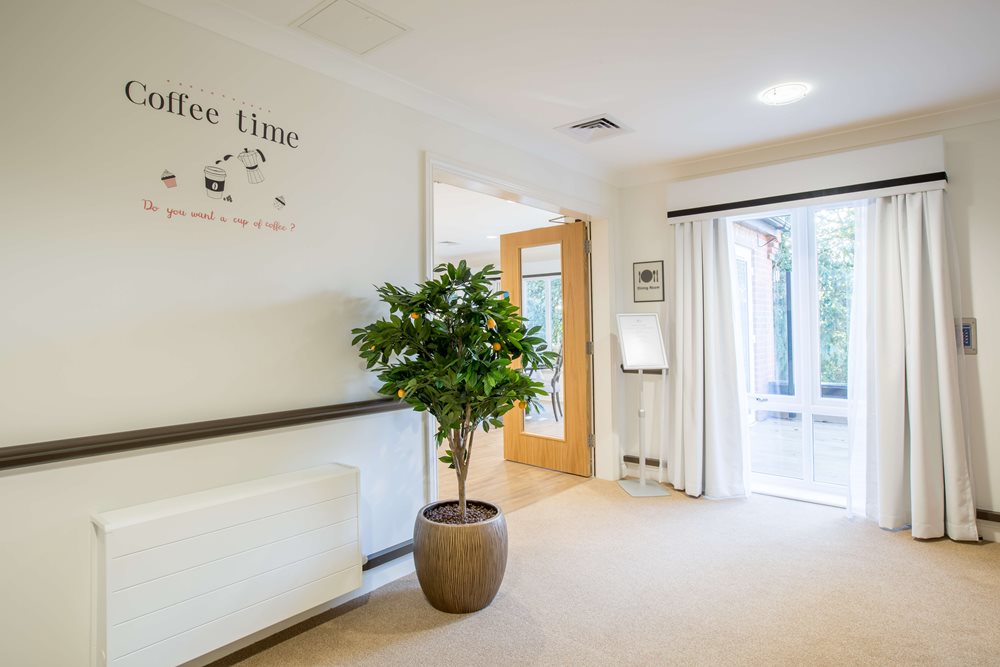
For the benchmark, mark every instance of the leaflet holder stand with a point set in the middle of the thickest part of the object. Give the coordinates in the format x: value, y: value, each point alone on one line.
x: 642, y: 350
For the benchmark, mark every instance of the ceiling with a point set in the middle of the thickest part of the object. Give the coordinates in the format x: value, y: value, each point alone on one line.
x: 463, y: 221
x: 683, y: 75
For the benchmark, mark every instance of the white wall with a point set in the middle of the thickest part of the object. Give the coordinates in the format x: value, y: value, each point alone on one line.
x: 972, y: 155
x: 115, y: 320
x: 645, y: 237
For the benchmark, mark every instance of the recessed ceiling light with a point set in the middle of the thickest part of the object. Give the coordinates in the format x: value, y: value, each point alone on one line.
x: 784, y: 93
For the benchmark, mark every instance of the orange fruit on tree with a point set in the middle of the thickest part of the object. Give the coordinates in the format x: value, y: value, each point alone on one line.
x: 414, y: 316
x: 401, y: 393
x: 491, y: 323
x: 496, y: 346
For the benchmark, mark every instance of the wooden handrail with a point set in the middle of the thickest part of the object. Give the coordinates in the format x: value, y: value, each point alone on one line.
x: 93, y: 445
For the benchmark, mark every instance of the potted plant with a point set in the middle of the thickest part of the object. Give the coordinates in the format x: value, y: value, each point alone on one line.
x: 454, y: 348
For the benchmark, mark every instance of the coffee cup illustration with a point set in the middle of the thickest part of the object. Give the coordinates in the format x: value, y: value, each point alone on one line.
x: 215, y: 181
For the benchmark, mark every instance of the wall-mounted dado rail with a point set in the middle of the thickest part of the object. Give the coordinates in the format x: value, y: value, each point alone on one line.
x: 92, y: 445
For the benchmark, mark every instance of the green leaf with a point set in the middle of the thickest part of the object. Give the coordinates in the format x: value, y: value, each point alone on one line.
x: 444, y: 359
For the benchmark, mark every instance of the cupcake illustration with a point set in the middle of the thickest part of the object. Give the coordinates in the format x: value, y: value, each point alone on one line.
x: 168, y: 179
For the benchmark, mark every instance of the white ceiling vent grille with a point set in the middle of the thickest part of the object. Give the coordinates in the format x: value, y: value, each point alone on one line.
x: 594, y: 129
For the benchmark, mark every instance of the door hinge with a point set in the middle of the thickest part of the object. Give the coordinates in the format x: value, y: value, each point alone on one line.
x: 591, y: 440
x: 586, y: 246
x: 590, y: 347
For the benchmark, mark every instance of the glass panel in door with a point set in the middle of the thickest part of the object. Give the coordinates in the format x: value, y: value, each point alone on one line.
x: 830, y: 454
x: 834, y: 247
x: 776, y: 443
x: 764, y: 264
x: 541, y: 304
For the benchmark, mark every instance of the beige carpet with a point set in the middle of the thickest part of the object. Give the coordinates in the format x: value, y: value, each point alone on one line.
x: 596, y: 577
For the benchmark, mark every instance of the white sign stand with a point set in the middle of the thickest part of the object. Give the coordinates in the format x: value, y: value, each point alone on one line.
x: 642, y: 350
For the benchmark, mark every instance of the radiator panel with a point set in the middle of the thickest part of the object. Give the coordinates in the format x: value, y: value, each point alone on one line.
x: 179, y: 577
x: 148, y: 564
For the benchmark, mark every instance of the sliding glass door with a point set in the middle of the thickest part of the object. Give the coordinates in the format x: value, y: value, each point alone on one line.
x: 794, y: 270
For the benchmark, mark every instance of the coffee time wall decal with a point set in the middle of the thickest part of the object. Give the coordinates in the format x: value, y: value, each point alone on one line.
x: 177, y: 103
x: 235, y: 177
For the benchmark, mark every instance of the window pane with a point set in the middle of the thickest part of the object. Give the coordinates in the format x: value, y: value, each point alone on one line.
x: 776, y: 443
x: 768, y: 241
x: 830, y: 458
x: 835, y: 277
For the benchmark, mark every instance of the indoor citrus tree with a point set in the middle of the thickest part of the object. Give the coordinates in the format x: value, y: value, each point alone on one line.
x: 450, y: 348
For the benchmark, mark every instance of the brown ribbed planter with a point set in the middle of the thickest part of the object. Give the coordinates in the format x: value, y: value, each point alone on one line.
x: 460, y: 567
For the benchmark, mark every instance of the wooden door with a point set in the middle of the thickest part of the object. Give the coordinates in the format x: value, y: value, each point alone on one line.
x: 545, y: 271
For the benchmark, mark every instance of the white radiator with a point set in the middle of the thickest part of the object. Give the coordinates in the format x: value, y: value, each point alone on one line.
x: 180, y: 577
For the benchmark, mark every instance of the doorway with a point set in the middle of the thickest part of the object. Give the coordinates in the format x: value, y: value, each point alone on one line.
x: 794, y: 273
x: 468, y: 225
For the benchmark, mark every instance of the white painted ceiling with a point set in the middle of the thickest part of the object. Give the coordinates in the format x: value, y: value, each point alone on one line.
x: 467, y: 219
x: 683, y: 75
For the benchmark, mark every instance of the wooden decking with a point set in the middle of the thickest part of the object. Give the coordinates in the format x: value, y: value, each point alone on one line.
x: 776, y: 447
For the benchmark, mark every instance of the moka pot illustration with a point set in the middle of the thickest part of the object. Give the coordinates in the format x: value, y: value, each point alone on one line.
x: 250, y: 161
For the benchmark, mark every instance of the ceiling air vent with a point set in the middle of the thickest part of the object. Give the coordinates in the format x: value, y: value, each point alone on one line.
x: 594, y: 129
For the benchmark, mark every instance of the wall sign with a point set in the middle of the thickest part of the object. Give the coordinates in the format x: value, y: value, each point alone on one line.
x: 234, y: 186
x: 647, y: 281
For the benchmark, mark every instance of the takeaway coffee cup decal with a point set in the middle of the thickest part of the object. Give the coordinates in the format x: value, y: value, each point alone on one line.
x: 215, y: 181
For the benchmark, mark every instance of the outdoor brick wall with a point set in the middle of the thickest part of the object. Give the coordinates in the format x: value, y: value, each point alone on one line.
x: 761, y: 248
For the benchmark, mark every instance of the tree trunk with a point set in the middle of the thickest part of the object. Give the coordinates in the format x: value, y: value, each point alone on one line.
x: 457, y: 443
x: 465, y: 435
x: 461, y: 496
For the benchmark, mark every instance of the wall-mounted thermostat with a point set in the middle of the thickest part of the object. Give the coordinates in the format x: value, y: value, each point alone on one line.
x: 969, y: 335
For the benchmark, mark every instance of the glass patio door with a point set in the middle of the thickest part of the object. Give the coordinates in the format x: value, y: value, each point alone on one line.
x: 794, y: 270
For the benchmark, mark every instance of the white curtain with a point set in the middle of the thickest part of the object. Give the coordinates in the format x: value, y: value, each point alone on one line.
x: 706, y: 448
x: 909, y: 449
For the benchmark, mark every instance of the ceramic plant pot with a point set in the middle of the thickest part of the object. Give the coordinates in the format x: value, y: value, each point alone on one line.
x: 460, y: 566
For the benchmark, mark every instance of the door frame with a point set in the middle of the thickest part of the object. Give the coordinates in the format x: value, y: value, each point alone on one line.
x: 437, y: 168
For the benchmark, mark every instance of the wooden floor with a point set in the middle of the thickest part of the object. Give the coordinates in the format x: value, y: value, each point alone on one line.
x: 507, y: 484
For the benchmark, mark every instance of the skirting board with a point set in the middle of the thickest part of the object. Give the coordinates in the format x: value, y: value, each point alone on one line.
x: 650, y: 462
x: 372, y: 579
x: 989, y: 531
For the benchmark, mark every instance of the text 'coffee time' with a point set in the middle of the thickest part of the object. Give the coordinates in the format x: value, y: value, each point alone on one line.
x: 181, y: 104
